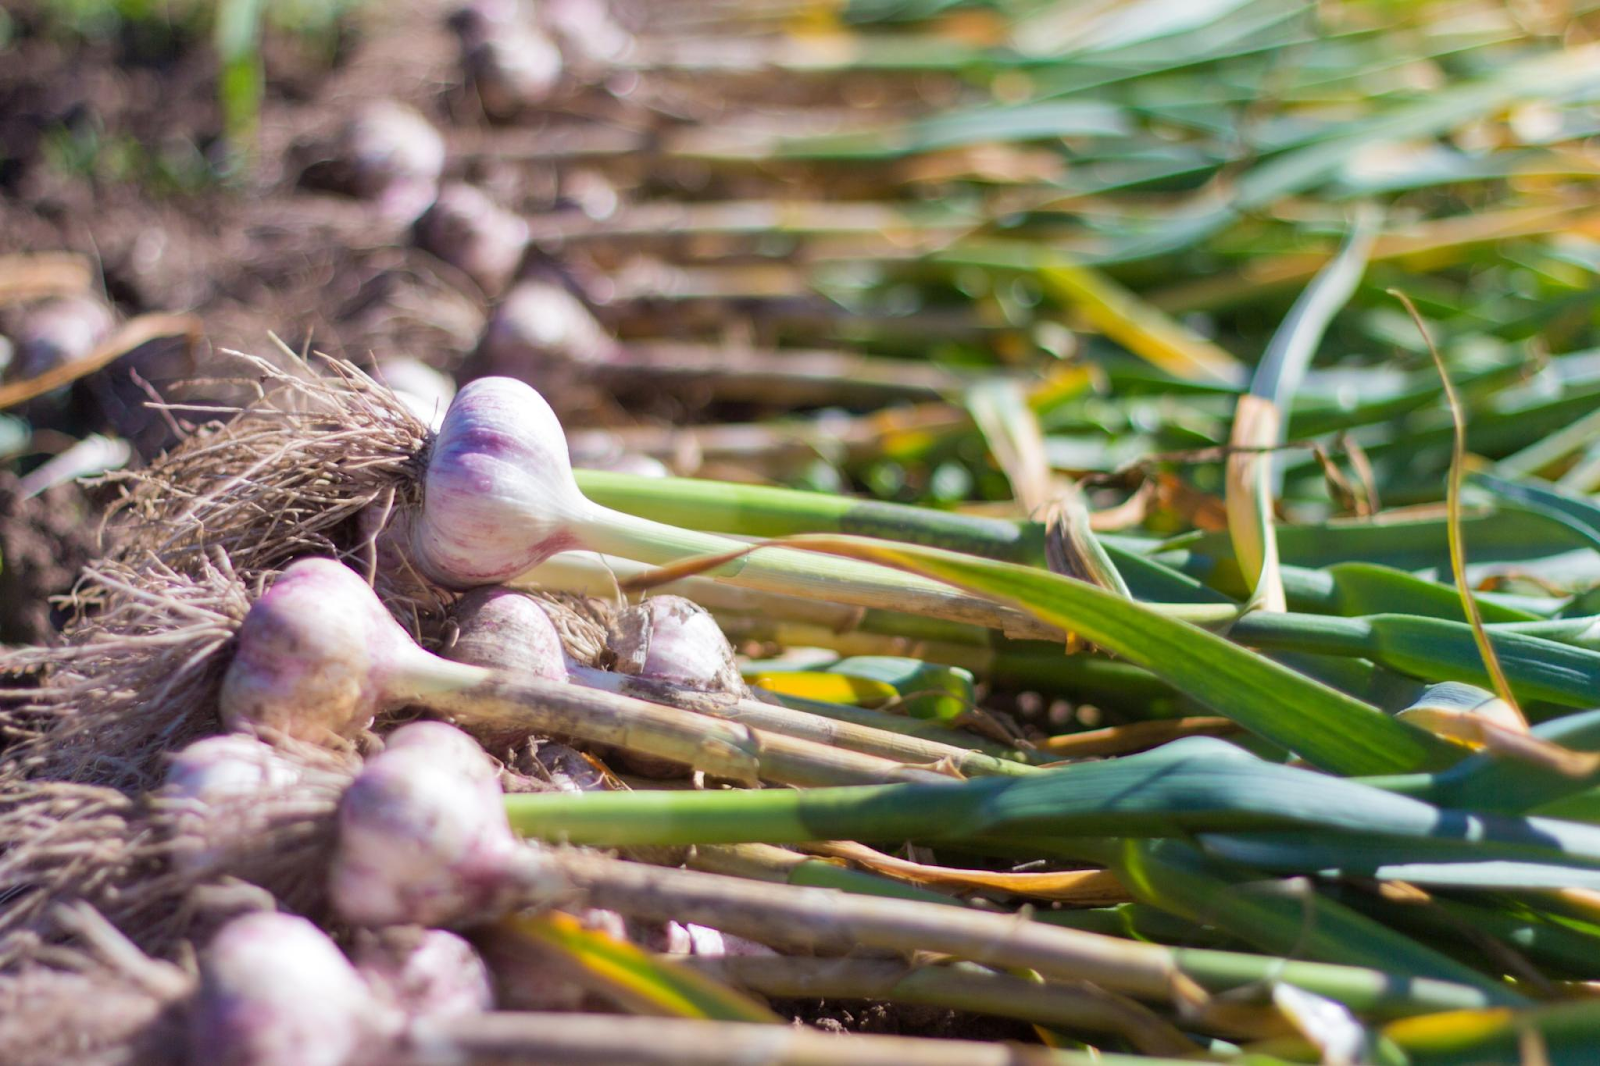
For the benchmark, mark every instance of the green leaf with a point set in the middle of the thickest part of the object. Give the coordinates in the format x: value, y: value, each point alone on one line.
x: 1192, y: 785
x: 1572, y: 511
x: 1254, y: 477
x: 926, y: 690
x: 1280, y: 917
x: 1326, y: 727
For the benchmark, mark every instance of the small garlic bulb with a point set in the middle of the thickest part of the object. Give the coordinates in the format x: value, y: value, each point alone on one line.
x: 506, y: 630
x: 275, y: 991
x: 394, y: 157
x: 426, y: 974
x: 541, y: 328
x: 423, y: 835
x: 217, y: 784
x: 59, y: 331
x: 509, y: 61
x: 671, y: 639
x: 475, y: 235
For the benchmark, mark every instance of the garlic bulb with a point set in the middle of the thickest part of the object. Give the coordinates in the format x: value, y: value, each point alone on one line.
x: 216, y: 784
x: 426, y: 974
x: 59, y: 331
x: 317, y: 657
x: 671, y: 639
x: 541, y: 328
x: 506, y: 630
x: 423, y: 836
x: 475, y: 235
x: 509, y: 61
x: 499, y: 495
x: 274, y: 991
x: 394, y: 156
x: 216, y: 769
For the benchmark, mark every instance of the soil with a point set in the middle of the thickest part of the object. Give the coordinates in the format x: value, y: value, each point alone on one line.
x: 44, y: 542
x: 110, y: 146
x: 898, y: 1019
x: 113, y: 148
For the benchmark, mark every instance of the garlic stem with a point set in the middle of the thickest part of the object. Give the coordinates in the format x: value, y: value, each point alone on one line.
x: 318, y: 655
x: 797, y: 573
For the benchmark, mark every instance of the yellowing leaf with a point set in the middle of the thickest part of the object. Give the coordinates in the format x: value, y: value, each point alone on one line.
x: 632, y: 976
x: 1136, y: 325
x: 1087, y: 887
x: 826, y: 688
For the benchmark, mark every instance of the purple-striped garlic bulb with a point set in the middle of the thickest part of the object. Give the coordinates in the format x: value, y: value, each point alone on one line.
x: 394, y: 157
x: 674, y: 640
x: 423, y: 835
x: 275, y: 991
x: 472, y: 233
x: 318, y: 657
x: 499, y: 496
x: 540, y: 328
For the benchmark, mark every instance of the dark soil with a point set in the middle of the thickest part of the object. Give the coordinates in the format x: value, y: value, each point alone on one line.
x: 43, y: 543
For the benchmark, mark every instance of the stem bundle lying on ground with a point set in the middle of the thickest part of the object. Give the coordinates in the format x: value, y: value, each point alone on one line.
x: 319, y: 657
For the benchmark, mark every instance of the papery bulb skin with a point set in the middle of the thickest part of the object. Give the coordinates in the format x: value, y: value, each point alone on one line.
x: 541, y: 328
x: 314, y: 656
x: 475, y: 235
x: 394, y: 156
x: 274, y: 991
x: 59, y: 331
x: 426, y: 974
x: 499, y: 495
x: 569, y: 771
x: 503, y: 629
x: 423, y: 837
x: 671, y: 639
